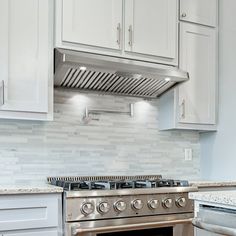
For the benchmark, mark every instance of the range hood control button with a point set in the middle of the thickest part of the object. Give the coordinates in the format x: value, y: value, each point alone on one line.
x: 137, y: 204
x: 120, y: 206
x: 167, y: 203
x: 153, y: 204
x: 103, y: 207
x: 87, y: 208
x: 181, y: 202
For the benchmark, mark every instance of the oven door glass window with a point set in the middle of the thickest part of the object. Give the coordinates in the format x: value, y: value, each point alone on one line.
x: 149, y: 232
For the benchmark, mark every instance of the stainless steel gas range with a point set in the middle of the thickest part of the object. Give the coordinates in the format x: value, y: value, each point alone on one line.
x: 125, y: 205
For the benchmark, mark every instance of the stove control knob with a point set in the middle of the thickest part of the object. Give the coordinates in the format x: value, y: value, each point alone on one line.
x: 103, y: 207
x: 181, y: 202
x: 87, y: 208
x: 167, y: 203
x: 137, y: 204
x: 153, y: 204
x: 120, y: 206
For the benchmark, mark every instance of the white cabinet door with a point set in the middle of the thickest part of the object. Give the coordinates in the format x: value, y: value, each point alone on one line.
x: 24, y: 55
x: 197, y: 97
x: 32, y: 233
x: 92, y: 22
x: 151, y: 27
x: 199, y: 11
x: 31, y: 215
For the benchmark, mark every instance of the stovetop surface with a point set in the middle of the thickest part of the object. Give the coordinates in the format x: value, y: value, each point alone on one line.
x: 80, y: 184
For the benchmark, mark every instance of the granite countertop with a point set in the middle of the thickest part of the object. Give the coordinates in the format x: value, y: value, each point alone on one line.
x: 29, y: 189
x: 216, y: 197
x: 212, y: 183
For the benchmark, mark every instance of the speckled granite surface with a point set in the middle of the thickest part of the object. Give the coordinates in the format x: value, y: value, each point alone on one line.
x: 29, y: 189
x: 206, y: 184
x: 219, y: 197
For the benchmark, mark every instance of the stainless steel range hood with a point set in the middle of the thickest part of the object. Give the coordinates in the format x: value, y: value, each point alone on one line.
x: 107, y: 74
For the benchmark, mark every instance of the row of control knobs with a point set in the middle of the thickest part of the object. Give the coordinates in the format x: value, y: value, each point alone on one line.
x: 137, y: 204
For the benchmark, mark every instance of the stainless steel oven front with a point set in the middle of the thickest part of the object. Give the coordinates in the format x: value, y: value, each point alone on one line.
x: 138, y: 212
x: 173, y: 225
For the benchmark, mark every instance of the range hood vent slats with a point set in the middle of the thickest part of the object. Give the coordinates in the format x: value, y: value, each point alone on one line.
x: 98, y: 73
x: 91, y: 80
x: 156, y: 86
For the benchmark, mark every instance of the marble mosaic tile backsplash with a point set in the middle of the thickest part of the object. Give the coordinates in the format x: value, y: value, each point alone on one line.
x: 106, y: 144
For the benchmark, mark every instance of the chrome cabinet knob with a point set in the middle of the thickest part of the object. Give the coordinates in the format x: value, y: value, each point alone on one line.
x: 120, y: 206
x: 87, y: 208
x: 183, y: 15
x: 167, y: 203
x: 181, y: 202
x: 103, y: 207
x: 153, y: 204
x: 137, y: 204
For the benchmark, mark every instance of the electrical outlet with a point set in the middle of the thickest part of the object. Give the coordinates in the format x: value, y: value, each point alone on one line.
x: 188, y: 154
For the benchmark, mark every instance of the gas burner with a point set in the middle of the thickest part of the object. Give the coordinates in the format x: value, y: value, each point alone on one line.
x: 100, y: 185
x: 143, y: 184
x: 123, y: 184
x: 165, y: 183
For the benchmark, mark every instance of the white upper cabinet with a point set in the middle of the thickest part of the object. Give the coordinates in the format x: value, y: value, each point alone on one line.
x: 151, y: 27
x: 26, y: 49
x: 133, y: 29
x: 94, y: 23
x: 199, y: 11
x: 193, y: 104
x: 197, y: 97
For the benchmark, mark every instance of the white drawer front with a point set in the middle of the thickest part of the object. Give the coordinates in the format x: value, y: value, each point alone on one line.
x: 28, y: 212
x: 43, y: 233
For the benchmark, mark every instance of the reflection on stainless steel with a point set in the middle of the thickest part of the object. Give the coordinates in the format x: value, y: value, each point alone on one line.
x: 125, y: 227
x: 181, y: 224
x: 114, y: 75
x: 212, y: 220
x: 149, y: 204
x: 123, y: 192
x: 220, y: 230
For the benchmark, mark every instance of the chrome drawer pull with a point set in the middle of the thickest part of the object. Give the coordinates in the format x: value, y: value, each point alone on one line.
x: 118, y: 34
x: 182, y: 106
x: 130, y: 36
x: 2, y: 99
x: 76, y: 231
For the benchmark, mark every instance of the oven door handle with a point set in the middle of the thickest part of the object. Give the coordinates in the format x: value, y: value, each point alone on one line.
x: 76, y: 230
x: 213, y: 228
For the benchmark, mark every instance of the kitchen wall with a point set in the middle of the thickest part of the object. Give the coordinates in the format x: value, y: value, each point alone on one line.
x: 108, y: 144
x: 218, y: 150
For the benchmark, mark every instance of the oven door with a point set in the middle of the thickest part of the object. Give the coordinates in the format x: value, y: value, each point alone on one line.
x: 173, y: 225
x: 215, y: 221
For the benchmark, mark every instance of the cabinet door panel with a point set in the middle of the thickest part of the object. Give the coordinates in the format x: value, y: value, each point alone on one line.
x: 151, y: 27
x: 199, y: 11
x: 38, y: 233
x: 24, y: 54
x: 92, y: 22
x: 26, y: 212
x: 197, y: 97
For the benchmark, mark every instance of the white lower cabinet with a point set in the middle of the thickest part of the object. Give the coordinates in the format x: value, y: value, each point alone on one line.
x: 31, y: 215
x: 192, y: 105
x: 33, y: 233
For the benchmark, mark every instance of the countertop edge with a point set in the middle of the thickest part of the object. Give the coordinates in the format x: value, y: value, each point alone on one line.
x: 14, y: 189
